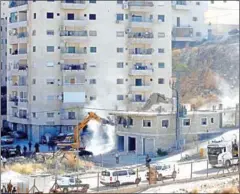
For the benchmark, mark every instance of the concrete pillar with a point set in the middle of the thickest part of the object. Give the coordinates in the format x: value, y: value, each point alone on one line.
x: 125, y: 143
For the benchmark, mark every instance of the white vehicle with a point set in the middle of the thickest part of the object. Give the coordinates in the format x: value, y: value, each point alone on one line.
x: 223, y: 153
x: 165, y: 171
x: 118, y: 177
x: 67, y: 180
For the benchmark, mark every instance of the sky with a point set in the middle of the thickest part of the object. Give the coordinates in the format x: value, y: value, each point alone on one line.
x: 223, y: 13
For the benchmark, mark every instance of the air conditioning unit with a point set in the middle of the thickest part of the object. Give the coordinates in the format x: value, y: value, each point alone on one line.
x: 125, y: 5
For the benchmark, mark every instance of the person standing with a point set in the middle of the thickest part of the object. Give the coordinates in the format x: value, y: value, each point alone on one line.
x: 117, y: 158
x: 29, y: 146
x: 9, y: 187
x: 148, y: 160
x: 24, y: 151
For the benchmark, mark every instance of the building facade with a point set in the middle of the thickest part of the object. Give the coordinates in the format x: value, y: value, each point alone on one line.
x: 64, y: 55
x: 3, y: 67
x: 145, y: 132
x: 188, y: 22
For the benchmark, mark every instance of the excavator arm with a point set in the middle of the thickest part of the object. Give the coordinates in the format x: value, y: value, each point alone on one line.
x: 76, y: 139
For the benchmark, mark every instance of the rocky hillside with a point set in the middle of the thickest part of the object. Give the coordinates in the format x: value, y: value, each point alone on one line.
x: 209, y: 71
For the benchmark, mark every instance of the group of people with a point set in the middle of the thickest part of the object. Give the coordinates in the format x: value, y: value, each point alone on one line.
x: 9, y: 189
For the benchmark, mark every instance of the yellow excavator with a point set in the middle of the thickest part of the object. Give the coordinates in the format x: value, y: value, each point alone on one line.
x: 73, y: 142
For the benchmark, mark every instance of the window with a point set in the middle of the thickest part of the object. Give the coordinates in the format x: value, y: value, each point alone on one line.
x: 34, y: 48
x: 119, y: 17
x: 93, y: 49
x: 160, y: 81
x: 120, y: 65
x: 34, y: 81
x: 161, y: 34
x: 92, y: 98
x: 92, y: 1
x: 186, y: 122
x: 147, y: 123
x: 165, y: 123
x: 50, y: 81
x: 194, y: 19
x: 92, y: 16
x: 120, y: 34
x: 34, y: 98
x: 204, y: 121
x: 119, y: 81
x: 161, y: 18
x: 34, y: 16
x: 92, y: 81
x: 34, y: 115
x: 131, y: 172
x: 50, y: 114
x: 161, y: 65
x: 212, y: 120
x: 92, y: 33
x: 119, y: 97
x: 71, y: 115
x: 50, y: 32
x: 161, y: 50
x: 50, y: 15
x: 119, y: 50
x: 34, y: 32
x: 198, y: 33
x: 212, y: 2
x: 70, y: 16
x: 197, y: 3
x: 50, y: 48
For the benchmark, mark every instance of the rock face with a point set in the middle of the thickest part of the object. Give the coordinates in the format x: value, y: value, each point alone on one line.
x: 208, y: 70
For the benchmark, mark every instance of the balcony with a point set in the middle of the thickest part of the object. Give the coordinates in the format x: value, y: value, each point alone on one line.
x: 13, y: 100
x: 17, y: 118
x: 19, y: 38
x: 73, y: 87
x: 19, y: 54
x: 141, y: 54
x: 65, y: 120
x: 74, y: 4
x: 75, y: 23
x: 141, y: 6
x: 182, y: 33
x: 73, y: 53
x: 140, y: 22
x: 74, y: 67
x: 141, y: 71
x: 141, y: 88
x: 18, y: 5
x: 140, y: 37
x: 17, y: 21
x: 19, y: 69
x: 181, y: 5
x: 74, y: 36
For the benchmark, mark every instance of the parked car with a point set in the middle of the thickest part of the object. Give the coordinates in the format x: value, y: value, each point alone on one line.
x: 84, y: 153
x: 8, y: 151
x: 118, y: 177
x: 20, y: 135
x: 165, y: 171
x: 60, y: 137
x: 7, y: 139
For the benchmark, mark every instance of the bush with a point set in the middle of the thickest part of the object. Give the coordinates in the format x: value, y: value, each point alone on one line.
x: 160, y: 152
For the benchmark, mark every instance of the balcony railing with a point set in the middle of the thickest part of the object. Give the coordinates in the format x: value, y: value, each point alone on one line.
x: 74, y: 51
x: 141, y: 51
x: 20, y: 51
x: 74, y: 1
x: 142, y: 67
x: 22, y: 67
x: 141, y: 3
x: 182, y: 32
x: 22, y: 35
x: 139, y: 19
x: 140, y: 35
x: 17, y: 3
x: 14, y: 99
x: 74, y: 33
x: 74, y: 67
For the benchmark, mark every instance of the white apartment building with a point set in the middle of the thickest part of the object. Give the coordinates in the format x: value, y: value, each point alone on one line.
x: 188, y: 22
x: 66, y: 54
x: 3, y: 66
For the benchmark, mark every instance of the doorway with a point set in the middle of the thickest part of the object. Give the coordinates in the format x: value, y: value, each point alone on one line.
x: 131, y: 144
x: 120, y: 143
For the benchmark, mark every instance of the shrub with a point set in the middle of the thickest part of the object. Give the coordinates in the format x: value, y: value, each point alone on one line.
x: 160, y: 152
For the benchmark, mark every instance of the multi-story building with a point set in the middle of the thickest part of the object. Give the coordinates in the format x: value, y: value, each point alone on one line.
x: 3, y: 68
x: 188, y: 22
x: 66, y: 54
